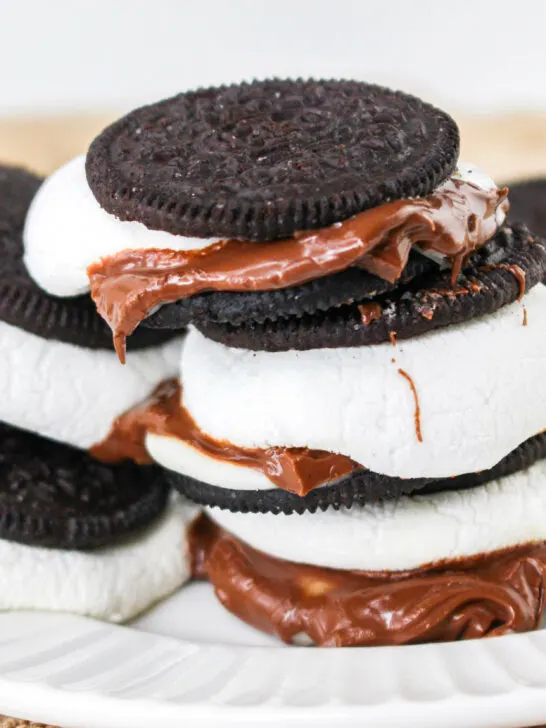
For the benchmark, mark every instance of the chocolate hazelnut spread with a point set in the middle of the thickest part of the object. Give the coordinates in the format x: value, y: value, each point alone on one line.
x: 296, y: 469
x: 370, y: 312
x: 488, y: 595
x: 453, y: 221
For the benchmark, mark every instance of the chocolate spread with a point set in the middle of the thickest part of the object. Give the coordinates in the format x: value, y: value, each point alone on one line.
x: 370, y: 312
x: 297, y: 469
x: 453, y: 221
x: 488, y: 595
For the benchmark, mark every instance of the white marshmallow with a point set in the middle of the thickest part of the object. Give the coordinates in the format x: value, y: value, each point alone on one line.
x: 113, y: 584
x: 70, y: 393
x: 481, y: 389
x: 468, y: 172
x: 182, y: 458
x: 66, y: 230
x: 406, y: 533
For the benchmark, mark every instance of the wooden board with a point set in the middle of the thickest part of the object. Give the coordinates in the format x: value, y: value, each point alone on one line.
x: 505, y: 147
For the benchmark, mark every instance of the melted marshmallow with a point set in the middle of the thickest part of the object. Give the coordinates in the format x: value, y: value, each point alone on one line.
x: 72, y: 394
x: 113, y: 584
x: 468, y: 172
x: 406, y: 533
x: 480, y: 385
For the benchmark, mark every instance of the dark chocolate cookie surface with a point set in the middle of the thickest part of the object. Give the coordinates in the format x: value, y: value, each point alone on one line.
x: 56, y: 496
x: 262, y: 160
x: 360, y: 488
x: 528, y: 204
x: 513, y: 262
x: 22, y: 301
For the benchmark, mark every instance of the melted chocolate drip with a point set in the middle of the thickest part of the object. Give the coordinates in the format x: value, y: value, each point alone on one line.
x: 417, y: 415
x: 516, y: 271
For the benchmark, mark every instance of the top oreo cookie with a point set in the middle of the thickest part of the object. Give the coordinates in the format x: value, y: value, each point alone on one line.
x: 262, y: 160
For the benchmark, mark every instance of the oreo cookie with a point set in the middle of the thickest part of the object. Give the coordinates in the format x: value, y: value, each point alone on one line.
x: 498, y: 274
x: 528, y: 204
x: 262, y: 160
x: 55, y: 496
x: 23, y: 304
x: 360, y: 488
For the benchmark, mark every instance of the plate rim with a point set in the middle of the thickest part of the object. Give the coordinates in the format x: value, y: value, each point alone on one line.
x: 35, y: 653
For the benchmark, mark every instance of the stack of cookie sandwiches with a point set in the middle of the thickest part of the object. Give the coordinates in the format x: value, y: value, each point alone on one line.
x: 360, y: 398
x: 104, y: 539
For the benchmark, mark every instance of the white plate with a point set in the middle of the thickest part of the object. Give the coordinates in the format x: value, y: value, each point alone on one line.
x: 189, y: 663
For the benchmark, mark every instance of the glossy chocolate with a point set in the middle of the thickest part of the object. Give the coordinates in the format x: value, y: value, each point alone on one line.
x: 417, y: 412
x: 452, y: 222
x: 297, y: 469
x: 488, y: 595
x: 370, y: 312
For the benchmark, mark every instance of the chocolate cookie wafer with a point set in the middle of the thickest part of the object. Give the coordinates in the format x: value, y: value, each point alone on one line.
x: 498, y: 274
x: 262, y: 160
x: 76, y: 535
x: 56, y: 496
x: 528, y: 204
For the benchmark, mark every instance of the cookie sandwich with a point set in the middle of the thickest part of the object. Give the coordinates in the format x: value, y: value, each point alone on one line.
x: 359, y: 404
x: 78, y: 534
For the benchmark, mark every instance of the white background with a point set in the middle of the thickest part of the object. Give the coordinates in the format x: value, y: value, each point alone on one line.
x: 469, y: 55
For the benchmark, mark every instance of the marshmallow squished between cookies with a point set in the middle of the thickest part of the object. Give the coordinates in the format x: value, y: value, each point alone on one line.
x: 112, y: 584
x: 72, y: 394
x: 479, y: 386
